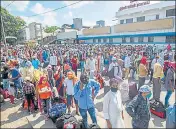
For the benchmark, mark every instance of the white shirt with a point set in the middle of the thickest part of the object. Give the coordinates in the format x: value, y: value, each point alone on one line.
x: 69, y: 84
x: 127, y: 62
x: 112, y: 109
x: 53, y: 60
x: 91, y: 64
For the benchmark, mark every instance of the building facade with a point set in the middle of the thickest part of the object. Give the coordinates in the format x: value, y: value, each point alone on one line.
x: 35, y: 30
x: 77, y: 23
x: 138, y: 23
x: 23, y: 35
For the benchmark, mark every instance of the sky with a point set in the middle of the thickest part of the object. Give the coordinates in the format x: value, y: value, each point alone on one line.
x: 89, y: 11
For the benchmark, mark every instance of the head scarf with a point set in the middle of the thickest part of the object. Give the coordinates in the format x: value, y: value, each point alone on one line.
x: 144, y: 89
x: 117, y: 81
x: 28, y: 64
x: 144, y: 60
x: 41, y: 79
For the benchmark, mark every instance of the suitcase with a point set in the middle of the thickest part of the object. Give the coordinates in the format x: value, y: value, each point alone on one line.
x: 1, y: 98
x: 65, y: 121
x: 56, y: 111
x: 5, y: 93
x: 132, y: 90
x: 157, y: 108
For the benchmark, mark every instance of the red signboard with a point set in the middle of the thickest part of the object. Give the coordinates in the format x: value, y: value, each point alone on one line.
x: 133, y: 5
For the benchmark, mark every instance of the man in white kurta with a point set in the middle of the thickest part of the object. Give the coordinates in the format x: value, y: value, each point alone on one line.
x: 113, y: 107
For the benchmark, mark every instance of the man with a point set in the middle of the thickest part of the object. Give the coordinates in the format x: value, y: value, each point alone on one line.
x: 91, y: 66
x: 157, y: 59
x: 116, y: 69
x: 35, y: 62
x: 170, y: 82
x: 69, y: 91
x: 127, y: 65
x: 157, y: 75
x: 83, y: 92
x: 16, y: 78
x: 53, y: 61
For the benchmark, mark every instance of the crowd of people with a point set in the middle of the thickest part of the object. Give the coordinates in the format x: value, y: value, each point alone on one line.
x: 43, y: 73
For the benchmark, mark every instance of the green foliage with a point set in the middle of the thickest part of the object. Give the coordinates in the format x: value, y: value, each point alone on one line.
x: 51, y: 29
x: 12, y: 24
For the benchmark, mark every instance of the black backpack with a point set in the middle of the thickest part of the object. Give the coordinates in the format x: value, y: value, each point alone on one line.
x: 66, y: 119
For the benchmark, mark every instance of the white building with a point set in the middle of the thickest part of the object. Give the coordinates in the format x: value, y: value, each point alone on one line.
x: 23, y: 35
x: 138, y: 23
x: 35, y: 31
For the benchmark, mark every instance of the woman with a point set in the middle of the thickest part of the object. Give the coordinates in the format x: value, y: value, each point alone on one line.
x: 74, y: 62
x: 59, y: 81
x: 142, y: 71
x: 139, y: 108
x: 112, y: 106
x: 44, y: 92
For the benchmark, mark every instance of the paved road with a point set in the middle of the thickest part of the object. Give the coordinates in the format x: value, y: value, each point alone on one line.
x: 13, y: 116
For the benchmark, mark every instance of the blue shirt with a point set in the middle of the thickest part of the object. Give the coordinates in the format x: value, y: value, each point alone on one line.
x: 35, y: 63
x: 15, y: 72
x: 84, y: 96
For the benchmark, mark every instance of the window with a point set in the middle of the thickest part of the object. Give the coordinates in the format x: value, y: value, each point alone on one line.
x: 121, y: 21
x: 132, y: 39
x: 94, y: 40
x: 105, y: 40
x: 123, y: 40
x: 129, y: 20
x: 170, y: 12
x: 170, y: 39
x: 110, y: 40
x: 157, y: 16
x: 99, y: 40
x: 140, y: 39
x: 150, y: 39
x: 141, y: 19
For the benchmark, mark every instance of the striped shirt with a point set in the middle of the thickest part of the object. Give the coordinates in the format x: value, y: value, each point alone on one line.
x: 53, y: 60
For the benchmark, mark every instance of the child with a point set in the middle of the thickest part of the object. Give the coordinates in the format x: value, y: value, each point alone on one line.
x: 11, y: 91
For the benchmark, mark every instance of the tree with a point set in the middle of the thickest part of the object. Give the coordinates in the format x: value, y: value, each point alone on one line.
x: 51, y: 29
x: 12, y: 24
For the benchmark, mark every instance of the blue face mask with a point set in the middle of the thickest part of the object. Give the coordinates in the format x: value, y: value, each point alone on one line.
x: 149, y: 95
x: 113, y: 89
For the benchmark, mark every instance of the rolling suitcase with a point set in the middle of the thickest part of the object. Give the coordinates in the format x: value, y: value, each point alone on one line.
x: 1, y: 98
x: 132, y: 90
x: 157, y: 108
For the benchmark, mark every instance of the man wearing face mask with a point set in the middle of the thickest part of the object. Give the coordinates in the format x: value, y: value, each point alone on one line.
x: 139, y: 108
x: 85, y: 91
x: 112, y: 105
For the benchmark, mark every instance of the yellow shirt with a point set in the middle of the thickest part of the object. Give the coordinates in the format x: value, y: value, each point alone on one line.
x: 158, y: 71
x: 143, y: 70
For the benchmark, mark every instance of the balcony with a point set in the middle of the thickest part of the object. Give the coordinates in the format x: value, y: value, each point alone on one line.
x: 145, y: 26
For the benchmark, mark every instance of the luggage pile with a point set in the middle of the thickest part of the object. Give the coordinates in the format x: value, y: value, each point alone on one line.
x: 157, y: 108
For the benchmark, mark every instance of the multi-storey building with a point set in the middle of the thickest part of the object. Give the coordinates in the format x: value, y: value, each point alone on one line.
x: 138, y: 23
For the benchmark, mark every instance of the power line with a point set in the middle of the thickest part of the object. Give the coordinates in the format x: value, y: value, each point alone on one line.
x: 9, y: 4
x: 56, y: 9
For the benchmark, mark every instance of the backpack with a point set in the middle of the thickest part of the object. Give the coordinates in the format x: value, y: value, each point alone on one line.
x: 65, y: 121
x: 56, y: 111
x: 110, y: 73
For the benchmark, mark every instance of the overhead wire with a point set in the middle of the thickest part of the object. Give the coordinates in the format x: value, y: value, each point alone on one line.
x: 56, y: 9
x: 9, y: 4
